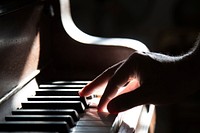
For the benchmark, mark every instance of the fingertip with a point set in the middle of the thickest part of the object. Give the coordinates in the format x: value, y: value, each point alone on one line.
x: 86, y: 91
x: 99, y: 109
x: 102, y: 107
x: 81, y: 93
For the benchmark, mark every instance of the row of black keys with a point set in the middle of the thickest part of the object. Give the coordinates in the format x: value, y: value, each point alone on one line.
x: 54, y: 108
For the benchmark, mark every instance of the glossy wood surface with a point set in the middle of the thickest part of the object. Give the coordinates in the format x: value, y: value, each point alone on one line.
x: 19, y: 45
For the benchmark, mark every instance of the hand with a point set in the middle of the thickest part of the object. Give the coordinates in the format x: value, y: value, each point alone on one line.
x: 148, y: 78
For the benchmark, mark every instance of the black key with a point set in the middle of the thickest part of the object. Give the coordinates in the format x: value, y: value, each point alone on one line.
x: 77, y: 105
x: 59, y: 98
x: 66, y: 118
x: 40, y: 126
x: 71, y: 112
x: 57, y: 92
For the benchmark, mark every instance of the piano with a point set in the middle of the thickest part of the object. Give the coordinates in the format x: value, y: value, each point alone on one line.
x: 46, y: 60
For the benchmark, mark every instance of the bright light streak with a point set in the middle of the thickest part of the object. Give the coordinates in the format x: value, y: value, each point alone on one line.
x: 78, y: 35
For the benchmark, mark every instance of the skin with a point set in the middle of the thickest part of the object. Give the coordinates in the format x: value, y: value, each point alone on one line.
x: 149, y: 78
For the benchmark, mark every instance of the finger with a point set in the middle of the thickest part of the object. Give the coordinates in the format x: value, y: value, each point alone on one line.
x: 99, y: 82
x: 132, y: 85
x: 128, y: 100
x: 120, y: 78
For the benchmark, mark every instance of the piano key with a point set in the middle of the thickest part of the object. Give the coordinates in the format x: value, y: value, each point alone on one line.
x: 59, y: 98
x: 57, y: 92
x: 56, y: 86
x: 91, y: 114
x: 70, y: 82
x: 73, y: 113
x: 77, y: 105
x: 87, y: 129
x: 98, y: 122
x: 74, y: 131
x: 34, y: 126
x: 91, y: 123
x: 67, y: 118
x: 28, y: 132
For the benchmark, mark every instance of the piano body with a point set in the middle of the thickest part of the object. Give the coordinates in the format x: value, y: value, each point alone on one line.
x: 46, y: 58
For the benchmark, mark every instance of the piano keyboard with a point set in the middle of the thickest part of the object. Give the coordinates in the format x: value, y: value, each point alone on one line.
x: 56, y: 107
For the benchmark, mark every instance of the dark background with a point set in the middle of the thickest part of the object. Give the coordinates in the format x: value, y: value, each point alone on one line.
x: 167, y: 25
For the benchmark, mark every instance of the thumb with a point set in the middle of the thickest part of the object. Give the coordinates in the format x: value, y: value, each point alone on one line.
x: 127, y: 101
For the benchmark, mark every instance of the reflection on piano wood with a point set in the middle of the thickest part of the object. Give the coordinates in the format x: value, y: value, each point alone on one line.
x: 67, y: 112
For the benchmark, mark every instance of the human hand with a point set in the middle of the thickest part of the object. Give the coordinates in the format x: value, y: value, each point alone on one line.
x: 148, y: 78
